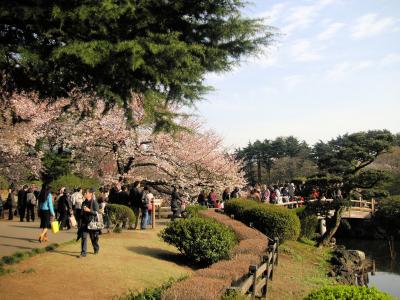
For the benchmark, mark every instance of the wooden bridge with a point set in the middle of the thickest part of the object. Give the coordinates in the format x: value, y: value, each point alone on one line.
x: 359, y: 209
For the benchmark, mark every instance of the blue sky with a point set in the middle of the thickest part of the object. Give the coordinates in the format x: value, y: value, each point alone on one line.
x: 335, y: 69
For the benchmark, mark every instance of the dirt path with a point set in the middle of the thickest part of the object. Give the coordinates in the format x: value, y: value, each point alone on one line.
x: 23, y: 236
x: 127, y: 261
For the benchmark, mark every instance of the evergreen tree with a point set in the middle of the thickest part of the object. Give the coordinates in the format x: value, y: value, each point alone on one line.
x: 160, y: 49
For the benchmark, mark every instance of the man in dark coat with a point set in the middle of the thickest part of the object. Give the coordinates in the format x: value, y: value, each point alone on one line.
x: 175, y: 203
x: 65, y: 210
x: 135, y: 200
x: 22, y: 202
x: 123, y: 196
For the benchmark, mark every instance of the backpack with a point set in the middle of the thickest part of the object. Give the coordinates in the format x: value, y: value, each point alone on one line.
x: 144, y: 200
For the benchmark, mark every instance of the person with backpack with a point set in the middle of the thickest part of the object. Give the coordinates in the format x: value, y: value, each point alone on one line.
x: 147, y: 197
x: 77, y: 200
x: 90, y: 209
x: 46, y: 211
x: 30, y: 203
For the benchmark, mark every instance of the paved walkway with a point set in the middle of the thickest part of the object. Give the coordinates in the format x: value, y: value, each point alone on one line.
x: 23, y: 236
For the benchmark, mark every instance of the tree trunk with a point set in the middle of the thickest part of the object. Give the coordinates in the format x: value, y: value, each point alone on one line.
x: 259, y: 171
x: 391, y: 247
x: 325, y: 240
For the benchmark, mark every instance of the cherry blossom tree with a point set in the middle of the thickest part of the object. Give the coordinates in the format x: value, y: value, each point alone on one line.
x: 97, y: 135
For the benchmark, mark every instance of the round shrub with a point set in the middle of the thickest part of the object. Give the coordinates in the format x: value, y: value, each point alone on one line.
x: 272, y: 220
x: 348, y: 292
x: 201, y: 240
x: 120, y: 214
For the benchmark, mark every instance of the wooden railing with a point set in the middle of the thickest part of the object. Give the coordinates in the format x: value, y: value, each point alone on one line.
x: 356, y: 205
x: 256, y: 282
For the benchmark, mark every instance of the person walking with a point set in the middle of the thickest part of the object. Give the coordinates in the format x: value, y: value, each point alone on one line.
x: 77, y: 200
x: 21, y: 203
x: 10, y: 203
x: 175, y: 203
x: 65, y: 210
x: 226, y: 195
x: 146, y: 198
x: 201, y: 199
x: 89, y: 210
x: 150, y: 201
x: 46, y: 212
x: 31, y: 202
x: 135, y: 200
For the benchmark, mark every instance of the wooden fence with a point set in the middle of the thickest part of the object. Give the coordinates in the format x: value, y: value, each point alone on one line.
x: 256, y: 282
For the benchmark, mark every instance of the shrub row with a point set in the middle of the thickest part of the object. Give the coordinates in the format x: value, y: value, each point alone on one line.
x: 274, y: 221
x: 348, y: 292
x: 209, y: 283
x: 203, y: 241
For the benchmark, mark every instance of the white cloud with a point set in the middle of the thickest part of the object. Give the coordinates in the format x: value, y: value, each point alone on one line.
x: 371, y: 25
x: 390, y: 59
x: 301, y: 17
x: 345, y: 70
x: 303, y: 51
x: 269, y: 56
x: 330, y: 31
x: 293, y: 80
x: 274, y: 13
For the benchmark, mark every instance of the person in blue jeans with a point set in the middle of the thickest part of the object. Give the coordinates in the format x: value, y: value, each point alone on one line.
x: 146, y: 200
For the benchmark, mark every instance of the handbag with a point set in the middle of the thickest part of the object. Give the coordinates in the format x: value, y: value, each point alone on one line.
x: 72, y: 221
x: 55, y: 227
x: 97, y: 221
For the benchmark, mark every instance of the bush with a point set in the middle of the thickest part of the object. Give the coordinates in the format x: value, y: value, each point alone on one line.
x: 72, y: 181
x: 119, y: 214
x: 193, y: 210
x: 203, y: 241
x: 308, y: 222
x: 274, y: 221
x: 348, y: 292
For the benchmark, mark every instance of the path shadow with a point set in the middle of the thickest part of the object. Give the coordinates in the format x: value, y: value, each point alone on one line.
x: 16, y: 246
x: 22, y: 226
x: 67, y: 253
x: 163, y: 254
x: 17, y: 238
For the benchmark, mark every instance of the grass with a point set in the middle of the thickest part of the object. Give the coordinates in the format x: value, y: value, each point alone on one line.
x: 151, y: 293
x: 28, y: 271
x: 19, y: 256
x: 302, y: 268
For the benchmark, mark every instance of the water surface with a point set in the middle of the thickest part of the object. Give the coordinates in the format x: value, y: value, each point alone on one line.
x: 387, y: 276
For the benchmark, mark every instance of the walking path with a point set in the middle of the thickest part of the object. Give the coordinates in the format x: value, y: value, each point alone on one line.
x: 23, y: 236
x: 131, y: 260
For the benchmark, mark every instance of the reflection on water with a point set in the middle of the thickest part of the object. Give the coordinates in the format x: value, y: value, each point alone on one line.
x: 387, y: 276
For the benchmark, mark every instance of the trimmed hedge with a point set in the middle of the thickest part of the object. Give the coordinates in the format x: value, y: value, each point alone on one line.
x: 274, y: 221
x: 348, y: 292
x: 118, y: 214
x: 72, y: 181
x: 203, y: 241
x: 309, y: 222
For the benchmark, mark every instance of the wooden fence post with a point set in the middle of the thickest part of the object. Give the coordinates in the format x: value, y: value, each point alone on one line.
x: 253, y: 272
x: 276, y: 240
x: 153, y: 214
x: 264, y: 292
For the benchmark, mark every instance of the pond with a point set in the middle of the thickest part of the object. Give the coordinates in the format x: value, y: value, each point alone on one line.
x: 387, y: 275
